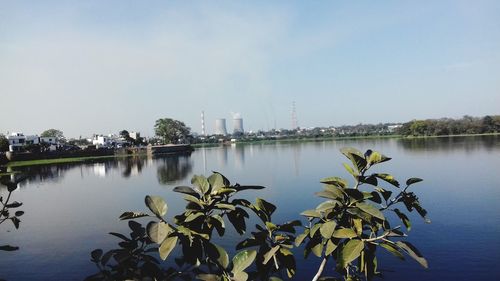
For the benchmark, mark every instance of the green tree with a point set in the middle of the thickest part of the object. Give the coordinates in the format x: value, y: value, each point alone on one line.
x: 52, y: 133
x: 171, y: 130
x: 4, y: 143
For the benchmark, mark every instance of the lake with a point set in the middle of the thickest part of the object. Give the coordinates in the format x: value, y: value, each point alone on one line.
x: 71, y: 208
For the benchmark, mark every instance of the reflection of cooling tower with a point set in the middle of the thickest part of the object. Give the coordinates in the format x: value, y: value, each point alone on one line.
x: 238, y: 125
x: 220, y: 127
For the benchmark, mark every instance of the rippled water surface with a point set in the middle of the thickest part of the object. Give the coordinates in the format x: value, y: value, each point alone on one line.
x: 69, y: 209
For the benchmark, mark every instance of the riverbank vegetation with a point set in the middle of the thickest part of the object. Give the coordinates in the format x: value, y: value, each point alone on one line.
x: 346, y: 229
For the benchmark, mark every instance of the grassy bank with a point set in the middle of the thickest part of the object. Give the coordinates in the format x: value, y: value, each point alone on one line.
x: 60, y: 160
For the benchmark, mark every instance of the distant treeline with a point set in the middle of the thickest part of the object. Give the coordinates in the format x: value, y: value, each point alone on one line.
x: 448, y: 126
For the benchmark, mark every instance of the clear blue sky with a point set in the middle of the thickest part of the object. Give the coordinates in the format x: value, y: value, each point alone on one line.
x: 101, y: 66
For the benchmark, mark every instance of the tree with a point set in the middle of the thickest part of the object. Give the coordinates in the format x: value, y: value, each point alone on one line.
x: 52, y: 133
x: 4, y: 143
x: 171, y: 130
x: 125, y: 134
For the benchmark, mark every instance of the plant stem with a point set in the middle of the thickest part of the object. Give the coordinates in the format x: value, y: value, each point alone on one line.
x: 320, y: 270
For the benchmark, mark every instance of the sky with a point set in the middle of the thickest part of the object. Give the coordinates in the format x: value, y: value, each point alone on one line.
x: 88, y: 67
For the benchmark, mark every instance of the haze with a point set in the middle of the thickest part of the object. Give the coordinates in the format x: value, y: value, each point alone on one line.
x: 89, y: 67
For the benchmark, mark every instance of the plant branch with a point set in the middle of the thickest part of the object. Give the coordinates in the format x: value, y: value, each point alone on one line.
x: 320, y: 269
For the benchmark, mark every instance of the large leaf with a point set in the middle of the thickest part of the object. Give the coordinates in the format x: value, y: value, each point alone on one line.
x: 270, y: 254
x: 167, y: 246
x: 240, y: 276
x: 327, y: 229
x: 223, y: 257
x: 157, y: 205
x: 132, y: 215
x: 344, y: 233
x: 369, y: 209
x: 393, y: 249
x: 157, y: 231
x: 217, y: 181
x: 311, y: 213
x: 335, y: 181
x: 330, y: 247
x: 412, y: 252
x: 388, y: 178
x: 300, y: 238
x: 374, y: 157
x: 193, y: 216
x: 356, y: 157
x: 265, y: 206
x: 187, y: 190
x: 245, y: 187
x: 201, y: 182
x: 351, y: 251
x: 404, y: 219
x: 411, y: 181
x: 243, y: 259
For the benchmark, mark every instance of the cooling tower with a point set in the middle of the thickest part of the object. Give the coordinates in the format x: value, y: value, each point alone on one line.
x: 220, y: 127
x: 238, y: 125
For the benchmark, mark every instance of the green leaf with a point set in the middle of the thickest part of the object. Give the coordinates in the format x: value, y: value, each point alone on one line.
x: 351, y: 251
x: 311, y: 213
x: 223, y: 256
x: 327, y: 205
x: 328, y: 194
x: 132, y: 215
x: 202, y: 183
x: 270, y: 254
x: 412, y: 252
x: 221, y: 191
x: 411, y: 181
x: 369, y: 209
x: 187, y: 190
x: 335, y: 181
x: 349, y: 169
x: 392, y: 249
x: 314, y: 229
x: 243, y: 259
x: 385, y: 193
x: 225, y: 206
x: 376, y: 157
x: 265, y: 206
x: 317, y: 249
x: 208, y: 277
x: 388, y: 178
x: 167, y: 246
x: 300, y: 238
x: 157, y: 231
x: 330, y: 247
x: 344, y: 233
x: 404, y: 219
x: 240, y: 276
x: 217, y: 181
x: 193, y: 216
x: 327, y: 229
x: 157, y: 205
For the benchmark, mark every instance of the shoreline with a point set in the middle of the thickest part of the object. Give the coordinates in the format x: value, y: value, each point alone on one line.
x: 14, y: 164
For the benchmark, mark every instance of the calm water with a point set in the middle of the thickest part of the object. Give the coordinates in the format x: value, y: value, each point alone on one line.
x: 69, y: 209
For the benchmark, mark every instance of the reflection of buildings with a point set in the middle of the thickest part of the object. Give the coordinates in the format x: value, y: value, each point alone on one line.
x: 239, y: 155
x: 222, y: 155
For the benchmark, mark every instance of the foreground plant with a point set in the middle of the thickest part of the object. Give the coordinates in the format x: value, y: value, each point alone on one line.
x: 8, y: 209
x: 351, y: 224
x: 347, y: 228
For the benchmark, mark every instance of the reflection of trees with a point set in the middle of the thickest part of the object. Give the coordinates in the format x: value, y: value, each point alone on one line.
x: 468, y: 143
x: 132, y: 164
x: 173, y: 168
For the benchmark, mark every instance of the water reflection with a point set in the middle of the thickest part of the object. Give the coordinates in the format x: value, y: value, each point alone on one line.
x: 173, y: 169
x: 446, y: 144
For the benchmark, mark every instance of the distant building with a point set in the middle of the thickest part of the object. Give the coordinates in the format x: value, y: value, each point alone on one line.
x: 18, y: 140
x: 238, y: 125
x: 135, y: 135
x: 220, y: 127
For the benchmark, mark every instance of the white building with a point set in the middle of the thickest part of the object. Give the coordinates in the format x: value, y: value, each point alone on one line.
x: 107, y: 141
x: 18, y: 140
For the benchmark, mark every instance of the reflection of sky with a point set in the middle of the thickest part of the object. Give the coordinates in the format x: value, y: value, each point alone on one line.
x: 460, y: 185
